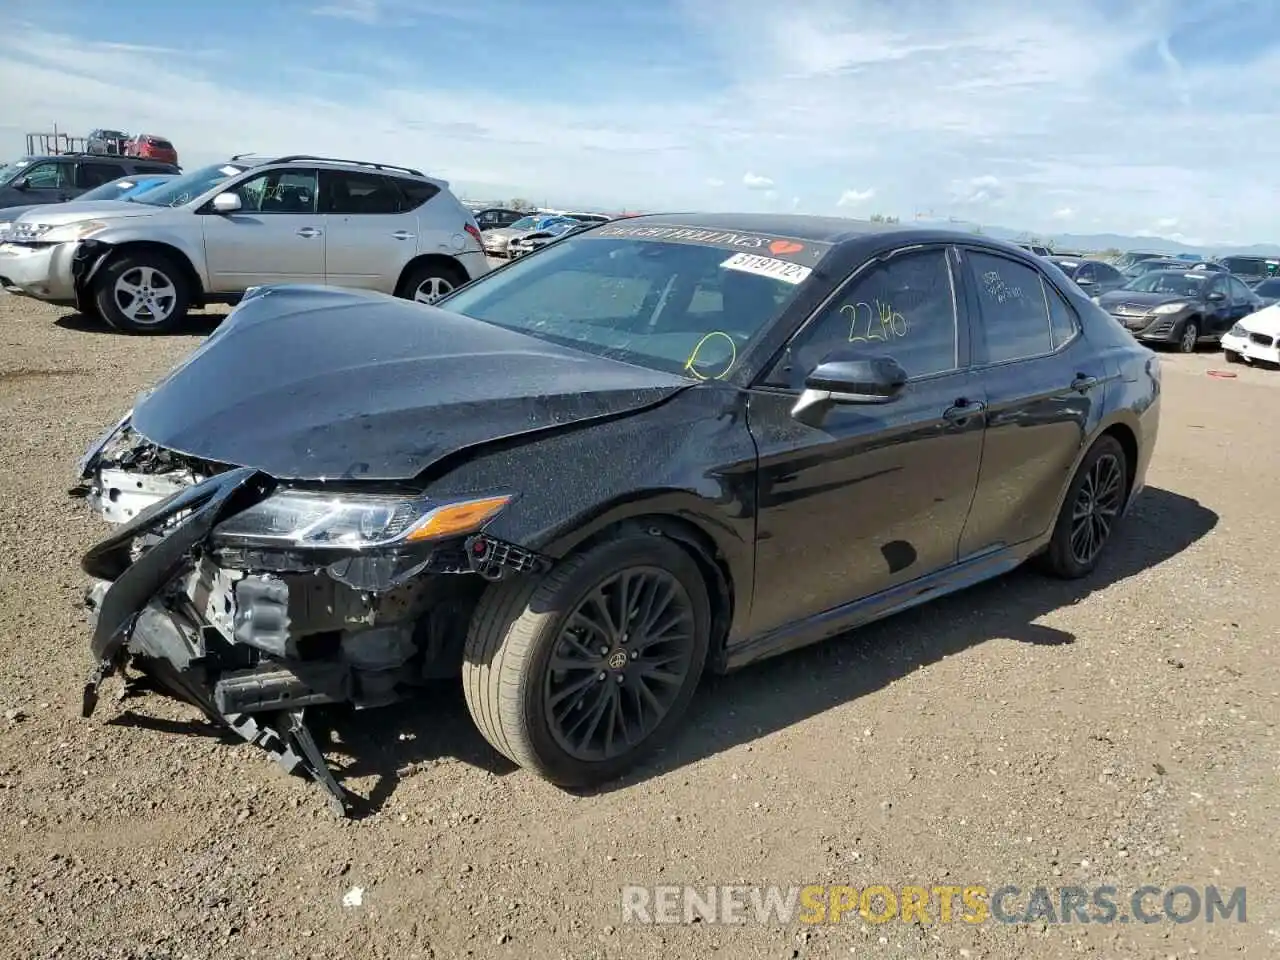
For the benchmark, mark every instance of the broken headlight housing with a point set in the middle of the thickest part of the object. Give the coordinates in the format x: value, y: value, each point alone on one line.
x: 294, y: 519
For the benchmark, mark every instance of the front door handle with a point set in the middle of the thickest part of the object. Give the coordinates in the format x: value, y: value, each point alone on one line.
x: 1083, y: 383
x: 962, y: 410
x: 309, y: 232
x: 403, y: 235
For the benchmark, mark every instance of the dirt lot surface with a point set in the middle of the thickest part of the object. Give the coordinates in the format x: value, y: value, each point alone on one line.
x: 1121, y: 731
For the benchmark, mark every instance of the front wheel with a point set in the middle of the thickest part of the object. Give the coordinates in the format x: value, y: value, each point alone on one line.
x: 1090, y: 511
x: 578, y: 674
x: 1189, y: 338
x: 142, y: 293
x: 1230, y: 356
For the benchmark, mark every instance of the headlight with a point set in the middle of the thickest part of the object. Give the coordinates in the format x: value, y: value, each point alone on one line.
x: 309, y: 518
x: 5, y: 225
x: 66, y: 232
x: 1170, y: 308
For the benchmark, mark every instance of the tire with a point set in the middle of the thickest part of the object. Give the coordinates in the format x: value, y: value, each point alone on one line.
x: 1230, y: 356
x: 1060, y: 559
x: 1189, y: 337
x: 151, y: 275
x: 440, y: 277
x: 510, y: 686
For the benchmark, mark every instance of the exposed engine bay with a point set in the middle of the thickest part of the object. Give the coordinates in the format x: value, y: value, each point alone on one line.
x: 211, y: 588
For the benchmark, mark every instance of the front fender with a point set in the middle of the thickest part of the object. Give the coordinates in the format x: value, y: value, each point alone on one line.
x: 97, y: 248
x: 689, y: 462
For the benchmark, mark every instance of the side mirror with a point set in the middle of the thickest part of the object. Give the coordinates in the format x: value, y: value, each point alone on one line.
x: 22, y: 183
x: 1216, y: 297
x: 226, y: 202
x: 876, y: 380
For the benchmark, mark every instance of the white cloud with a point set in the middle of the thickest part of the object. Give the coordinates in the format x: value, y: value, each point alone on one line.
x: 977, y: 190
x: 361, y: 11
x: 1064, y: 213
x: 1166, y: 223
x: 715, y: 182
x: 795, y: 203
x: 851, y: 198
x: 1014, y: 138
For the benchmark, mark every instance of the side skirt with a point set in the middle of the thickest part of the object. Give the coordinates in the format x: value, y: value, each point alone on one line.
x: 965, y: 573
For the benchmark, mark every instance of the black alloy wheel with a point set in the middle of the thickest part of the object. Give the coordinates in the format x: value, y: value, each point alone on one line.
x: 578, y: 673
x: 1091, y: 508
x: 1097, y: 506
x: 621, y: 660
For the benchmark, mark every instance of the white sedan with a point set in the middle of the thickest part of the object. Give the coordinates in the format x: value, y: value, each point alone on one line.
x: 1255, y: 337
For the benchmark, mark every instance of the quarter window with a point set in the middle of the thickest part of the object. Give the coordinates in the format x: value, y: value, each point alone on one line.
x: 1014, y: 307
x: 417, y: 192
x: 1062, y: 319
x: 902, y: 308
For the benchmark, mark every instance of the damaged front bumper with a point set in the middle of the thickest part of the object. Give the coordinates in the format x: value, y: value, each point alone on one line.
x: 256, y: 638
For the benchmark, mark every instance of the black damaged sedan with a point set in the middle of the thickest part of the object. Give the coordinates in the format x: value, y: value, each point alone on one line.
x: 662, y: 446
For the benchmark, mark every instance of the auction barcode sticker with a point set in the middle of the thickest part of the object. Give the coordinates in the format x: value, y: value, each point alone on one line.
x: 768, y: 267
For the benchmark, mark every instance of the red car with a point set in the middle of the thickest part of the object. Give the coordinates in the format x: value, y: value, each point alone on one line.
x: 151, y: 147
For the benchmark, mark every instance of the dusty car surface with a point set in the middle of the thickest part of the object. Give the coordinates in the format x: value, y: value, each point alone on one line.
x: 660, y: 446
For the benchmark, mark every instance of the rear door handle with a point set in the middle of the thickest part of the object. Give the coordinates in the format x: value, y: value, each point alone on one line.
x: 403, y: 235
x: 1083, y: 383
x: 962, y: 410
x: 309, y: 232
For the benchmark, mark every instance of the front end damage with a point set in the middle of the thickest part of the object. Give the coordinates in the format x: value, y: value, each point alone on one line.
x: 258, y: 601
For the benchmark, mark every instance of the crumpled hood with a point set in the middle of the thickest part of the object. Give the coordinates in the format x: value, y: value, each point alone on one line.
x: 1266, y: 320
x: 311, y: 383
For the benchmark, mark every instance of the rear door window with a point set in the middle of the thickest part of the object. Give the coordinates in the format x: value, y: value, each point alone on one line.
x: 1013, y: 308
x: 350, y: 193
x: 96, y: 174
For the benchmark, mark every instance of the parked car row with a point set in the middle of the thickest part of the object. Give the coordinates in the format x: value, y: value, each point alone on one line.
x: 207, y: 236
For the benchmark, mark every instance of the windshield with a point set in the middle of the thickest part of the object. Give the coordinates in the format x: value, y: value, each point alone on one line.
x: 117, y: 189
x: 525, y: 223
x: 684, y: 308
x: 187, y: 187
x: 1146, y: 266
x: 10, y: 169
x: 1069, y: 267
x: 1167, y: 281
x: 1268, y: 288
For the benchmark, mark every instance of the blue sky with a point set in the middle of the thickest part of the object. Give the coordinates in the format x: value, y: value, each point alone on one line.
x: 1154, y: 117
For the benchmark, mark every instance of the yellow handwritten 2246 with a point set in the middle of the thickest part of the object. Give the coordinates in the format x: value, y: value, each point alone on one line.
x: 874, y: 321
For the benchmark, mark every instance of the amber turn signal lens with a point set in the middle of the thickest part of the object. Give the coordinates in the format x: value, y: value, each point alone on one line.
x: 454, y: 519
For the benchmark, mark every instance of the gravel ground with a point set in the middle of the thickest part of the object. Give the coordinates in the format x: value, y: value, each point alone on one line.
x: 1120, y: 731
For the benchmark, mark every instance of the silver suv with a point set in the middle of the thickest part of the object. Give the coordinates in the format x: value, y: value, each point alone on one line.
x: 209, y: 235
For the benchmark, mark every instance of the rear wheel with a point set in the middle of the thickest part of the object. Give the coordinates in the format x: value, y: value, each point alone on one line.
x: 579, y: 674
x: 1189, y: 337
x: 428, y: 282
x: 1092, y: 507
x: 142, y: 293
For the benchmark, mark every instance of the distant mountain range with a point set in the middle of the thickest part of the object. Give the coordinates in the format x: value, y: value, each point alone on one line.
x: 1097, y: 242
